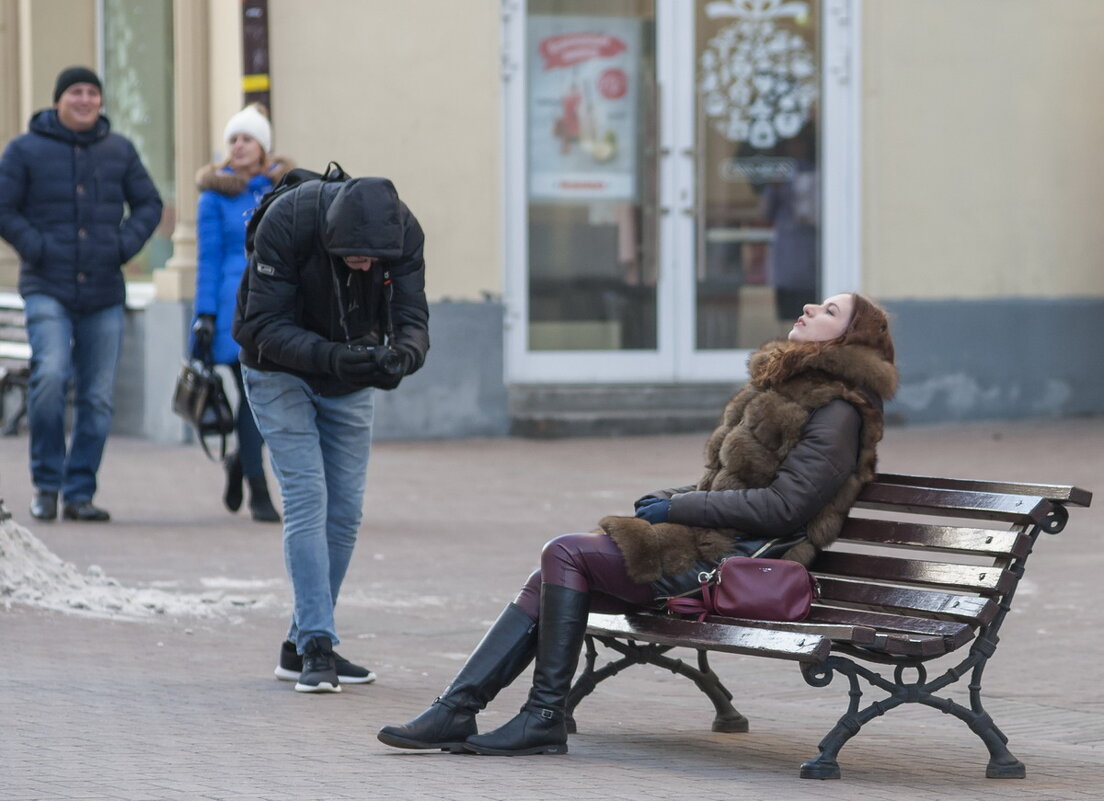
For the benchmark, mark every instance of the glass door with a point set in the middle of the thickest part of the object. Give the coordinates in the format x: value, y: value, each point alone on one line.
x: 586, y: 305
x: 750, y: 136
x: 675, y: 160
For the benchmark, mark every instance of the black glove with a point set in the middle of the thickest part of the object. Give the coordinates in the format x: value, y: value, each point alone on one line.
x: 203, y: 334
x: 392, y: 364
x: 355, y: 364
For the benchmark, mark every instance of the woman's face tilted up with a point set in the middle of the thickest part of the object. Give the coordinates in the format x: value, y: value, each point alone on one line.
x: 822, y: 322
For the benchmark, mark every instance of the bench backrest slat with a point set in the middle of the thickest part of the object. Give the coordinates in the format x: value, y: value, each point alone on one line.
x: 1052, y: 492
x: 952, y: 539
x: 972, y: 578
x: 907, y: 600
x: 954, y: 503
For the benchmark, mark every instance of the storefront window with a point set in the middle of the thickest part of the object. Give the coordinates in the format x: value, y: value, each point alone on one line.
x: 138, y: 99
x: 758, y: 233
x: 591, y: 178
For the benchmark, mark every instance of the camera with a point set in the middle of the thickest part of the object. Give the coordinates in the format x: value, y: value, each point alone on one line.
x: 387, y: 359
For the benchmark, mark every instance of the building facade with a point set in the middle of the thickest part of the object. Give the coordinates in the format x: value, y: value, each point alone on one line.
x: 622, y: 198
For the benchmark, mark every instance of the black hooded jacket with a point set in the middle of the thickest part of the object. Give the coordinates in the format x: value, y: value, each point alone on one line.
x: 298, y: 302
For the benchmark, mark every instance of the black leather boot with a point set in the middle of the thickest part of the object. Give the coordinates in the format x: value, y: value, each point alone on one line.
x: 505, y: 650
x: 539, y: 728
x: 260, y: 504
x: 232, y: 496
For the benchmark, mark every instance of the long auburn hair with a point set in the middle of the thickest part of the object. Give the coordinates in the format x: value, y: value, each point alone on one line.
x: 868, y: 327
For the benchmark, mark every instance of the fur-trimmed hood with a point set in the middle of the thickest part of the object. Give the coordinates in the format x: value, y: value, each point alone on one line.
x: 224, y: 181
x: 759, y: 427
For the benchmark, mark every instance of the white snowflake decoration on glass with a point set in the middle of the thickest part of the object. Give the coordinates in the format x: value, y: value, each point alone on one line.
x: 758, y: 82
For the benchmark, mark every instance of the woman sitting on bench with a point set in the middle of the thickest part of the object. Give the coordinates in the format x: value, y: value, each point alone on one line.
x: 791, y: 453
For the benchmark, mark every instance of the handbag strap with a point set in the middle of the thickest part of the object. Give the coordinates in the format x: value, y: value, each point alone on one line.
x: 206, y: 450
x: 688, y: 605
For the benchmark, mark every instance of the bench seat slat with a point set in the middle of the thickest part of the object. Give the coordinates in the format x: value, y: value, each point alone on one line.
x: 956, y: 503
x: 907, y: 645
x: 954, y: 634
x: 860, y: 634
x: 907, y: 600
x: 664, y: 630
x: 1052, y: 492
x: 952, y: 539
x: 975, y: 578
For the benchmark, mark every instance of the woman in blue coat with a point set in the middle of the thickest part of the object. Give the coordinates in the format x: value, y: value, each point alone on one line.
x: 229, y: 193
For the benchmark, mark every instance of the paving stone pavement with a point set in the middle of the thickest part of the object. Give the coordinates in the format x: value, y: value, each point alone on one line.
x: 180, y: 708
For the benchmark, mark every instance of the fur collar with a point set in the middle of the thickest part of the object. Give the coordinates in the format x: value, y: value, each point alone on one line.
x: 857, y: 365
x: 215, y: 178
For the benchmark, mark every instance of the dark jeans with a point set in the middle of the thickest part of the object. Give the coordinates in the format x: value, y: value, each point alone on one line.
x: 82, y: 347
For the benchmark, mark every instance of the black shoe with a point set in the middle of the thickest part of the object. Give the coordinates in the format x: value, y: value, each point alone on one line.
x: 44, y: 505
x: 260, y: 504
x: 232, y: 496
x: 540, y: 727
x: 291, y: 665
x: 319, y: 670
x: 85, y: 512
x: 505, y: 650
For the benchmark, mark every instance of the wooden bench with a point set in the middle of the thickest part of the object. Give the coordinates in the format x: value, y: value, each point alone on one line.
x: 15, y: 360
x: 931, y: 569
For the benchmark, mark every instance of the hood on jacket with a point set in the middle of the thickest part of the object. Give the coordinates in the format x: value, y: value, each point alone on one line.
x: 46, y: 123
x: 226, y: 181
x: 365, y: 219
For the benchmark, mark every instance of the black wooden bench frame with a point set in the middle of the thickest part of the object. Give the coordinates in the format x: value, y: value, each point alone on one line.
x: 912, y: 619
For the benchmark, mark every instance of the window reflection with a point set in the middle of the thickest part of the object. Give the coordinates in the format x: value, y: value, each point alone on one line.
x: 758, y: 235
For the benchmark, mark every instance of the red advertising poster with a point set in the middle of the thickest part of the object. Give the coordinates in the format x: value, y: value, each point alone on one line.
x: 582, y: 104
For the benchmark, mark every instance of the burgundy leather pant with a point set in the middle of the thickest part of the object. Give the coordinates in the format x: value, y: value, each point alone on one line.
x: 590, y: 563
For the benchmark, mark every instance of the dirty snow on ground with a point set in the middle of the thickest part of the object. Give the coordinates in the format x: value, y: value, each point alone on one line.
x: 32, y: 575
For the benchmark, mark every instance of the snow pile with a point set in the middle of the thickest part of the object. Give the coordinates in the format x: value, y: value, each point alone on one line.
x: 31, y: 574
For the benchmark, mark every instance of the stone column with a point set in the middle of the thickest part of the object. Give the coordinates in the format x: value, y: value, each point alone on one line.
x: 11, y: 124
x: 176, y: 281
x: 166, y: 328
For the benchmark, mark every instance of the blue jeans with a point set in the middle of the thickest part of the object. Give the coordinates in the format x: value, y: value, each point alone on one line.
x: 319, y: 449
x: 82, y: 347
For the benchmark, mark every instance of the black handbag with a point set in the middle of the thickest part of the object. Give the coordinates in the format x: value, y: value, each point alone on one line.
x: 200, y: 399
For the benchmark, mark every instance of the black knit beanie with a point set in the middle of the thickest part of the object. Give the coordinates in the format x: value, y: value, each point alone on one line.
x: 72, y: 75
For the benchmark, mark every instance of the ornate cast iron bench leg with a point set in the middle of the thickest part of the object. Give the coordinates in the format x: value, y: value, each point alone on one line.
x: 727, y: 719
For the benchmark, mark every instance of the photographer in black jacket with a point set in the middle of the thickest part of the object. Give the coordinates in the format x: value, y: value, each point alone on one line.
x: 331, y: 307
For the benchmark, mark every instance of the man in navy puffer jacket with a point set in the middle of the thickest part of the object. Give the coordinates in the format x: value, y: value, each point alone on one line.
x: 64, y: 188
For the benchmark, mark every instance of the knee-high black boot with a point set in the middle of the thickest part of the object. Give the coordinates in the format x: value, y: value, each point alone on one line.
x: 539, y: 728
x: 505, y: 650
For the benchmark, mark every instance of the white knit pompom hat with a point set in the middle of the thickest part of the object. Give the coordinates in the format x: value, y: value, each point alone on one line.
x: 252, y: 122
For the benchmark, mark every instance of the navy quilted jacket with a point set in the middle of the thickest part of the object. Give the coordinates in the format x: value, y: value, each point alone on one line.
x: 63, y: 195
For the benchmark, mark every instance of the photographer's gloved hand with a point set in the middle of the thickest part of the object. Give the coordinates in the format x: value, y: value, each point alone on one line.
x: 392, y: 365
x: 203, y: 334
x: 655, y: 512
x: 354, y: 365
x: 646, y: 500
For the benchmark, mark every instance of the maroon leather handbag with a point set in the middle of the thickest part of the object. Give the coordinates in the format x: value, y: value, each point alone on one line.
x: 756, y: 589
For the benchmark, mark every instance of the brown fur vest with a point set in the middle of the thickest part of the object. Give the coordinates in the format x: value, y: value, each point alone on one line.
x: 758, y: 428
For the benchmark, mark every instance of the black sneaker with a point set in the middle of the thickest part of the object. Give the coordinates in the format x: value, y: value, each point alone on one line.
x: 290, y: 666
x: 319, y: 672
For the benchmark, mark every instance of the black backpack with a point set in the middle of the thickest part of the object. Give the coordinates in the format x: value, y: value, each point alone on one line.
x: 290, y: 180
